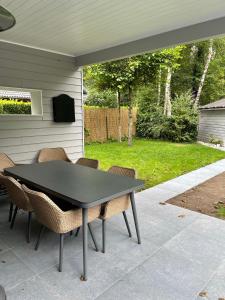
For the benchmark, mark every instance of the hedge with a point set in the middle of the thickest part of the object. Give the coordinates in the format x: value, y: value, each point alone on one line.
x: 14, y: 107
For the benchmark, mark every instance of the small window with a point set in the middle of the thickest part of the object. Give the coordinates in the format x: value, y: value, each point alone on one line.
x: 15, y: 101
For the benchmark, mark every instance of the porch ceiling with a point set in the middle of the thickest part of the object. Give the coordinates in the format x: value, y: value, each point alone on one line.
x: 83, y: 28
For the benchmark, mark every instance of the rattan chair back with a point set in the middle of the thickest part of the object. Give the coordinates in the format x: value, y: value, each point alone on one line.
x: 49, y: 154
x: 16, y: 193
x: 5, y: 161
x: 46, y: 211
x: 88, y: 162
x: 120, y: 204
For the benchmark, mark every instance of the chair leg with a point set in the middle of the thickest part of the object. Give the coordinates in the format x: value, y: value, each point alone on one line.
x: 10, y: 211
x: 29, y: 226
x: 93, y: 237
x: 77, y: 232
x: 39, y: 237
x: 14, y: 217
x: 71, y: 232
x: 127, y: 224
x: 61, y: 251
x: 103, y: 236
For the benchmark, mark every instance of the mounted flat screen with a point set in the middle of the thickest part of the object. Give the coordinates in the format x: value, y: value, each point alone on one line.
x: 63, y: 108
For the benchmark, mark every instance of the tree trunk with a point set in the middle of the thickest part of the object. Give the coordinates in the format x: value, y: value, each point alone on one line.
x: 130, y: 119
x: 119, y: 117
x: 159, y: 85
x: 167, y: 100
x: 207, y: 63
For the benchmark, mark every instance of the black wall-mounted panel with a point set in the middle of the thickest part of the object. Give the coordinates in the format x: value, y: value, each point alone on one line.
x: 63, y: 108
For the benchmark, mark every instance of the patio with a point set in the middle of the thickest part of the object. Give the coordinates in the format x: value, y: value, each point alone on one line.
x: 182, y: 253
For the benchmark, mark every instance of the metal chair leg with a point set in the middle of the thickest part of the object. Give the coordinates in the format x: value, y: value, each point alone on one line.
x: 39, y: 237
x: 127, y: 224
x: 77, y: 232
x: 29, y: 226
x: 103, y: 236
x: 71, y: 232
x: 14, y: 217
x: 61, y: 251
x: 93, y: 237
x: 10, y: 211
x: 133, y: 205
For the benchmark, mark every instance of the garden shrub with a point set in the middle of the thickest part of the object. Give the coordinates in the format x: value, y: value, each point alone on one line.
x: 101, y: 99
x: 14, y: 107
x: 180, y: 127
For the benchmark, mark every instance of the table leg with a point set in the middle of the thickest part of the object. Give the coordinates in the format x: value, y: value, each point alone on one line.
x: 85, y: 242
x: 133, y: 205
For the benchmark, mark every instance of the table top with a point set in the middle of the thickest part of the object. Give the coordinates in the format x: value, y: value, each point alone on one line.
x: 82, y: 186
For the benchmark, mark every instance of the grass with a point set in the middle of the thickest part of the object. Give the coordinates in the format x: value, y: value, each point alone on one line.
x: 155, y: 161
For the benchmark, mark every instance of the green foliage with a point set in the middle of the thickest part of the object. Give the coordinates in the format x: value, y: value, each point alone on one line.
x: 101, y: 99
x: 221, y: 210
x: 155, y: 161
x: 180, y: 127
x: 216, y: 141
x: 14, y: 107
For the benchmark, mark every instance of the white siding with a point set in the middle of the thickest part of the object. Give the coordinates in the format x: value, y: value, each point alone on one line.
x: 211, y: 123
x: 54, y: 74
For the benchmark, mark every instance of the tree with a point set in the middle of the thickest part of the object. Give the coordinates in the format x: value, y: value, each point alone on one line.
x: 170, y: 61
x: 202, y: 80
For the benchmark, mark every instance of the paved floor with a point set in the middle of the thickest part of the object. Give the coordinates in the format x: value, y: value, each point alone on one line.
x: 182, y: 254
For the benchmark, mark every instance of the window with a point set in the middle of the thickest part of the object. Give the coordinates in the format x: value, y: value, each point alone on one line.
x: 19, y: 101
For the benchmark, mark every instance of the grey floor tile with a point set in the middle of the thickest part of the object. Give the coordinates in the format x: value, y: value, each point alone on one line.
x: 207, y: 253
x: 215, y: 288
x: 174, y: 186
x: 32, y: 289
x: 162, y: 277
x: 12, y: 270
x: 156, y: 194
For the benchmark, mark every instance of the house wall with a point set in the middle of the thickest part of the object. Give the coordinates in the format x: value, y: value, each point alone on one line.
x: 211, y: 123
x: 22, y: 137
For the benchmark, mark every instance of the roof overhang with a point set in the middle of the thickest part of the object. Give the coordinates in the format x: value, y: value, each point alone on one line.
x: 197, y: 32
x: 96, y: 31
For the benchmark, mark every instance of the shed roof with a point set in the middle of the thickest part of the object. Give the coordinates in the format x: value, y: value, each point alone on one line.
x: 219, y: 104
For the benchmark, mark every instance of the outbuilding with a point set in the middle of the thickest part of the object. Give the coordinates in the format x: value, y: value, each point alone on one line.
x: 212, y: 122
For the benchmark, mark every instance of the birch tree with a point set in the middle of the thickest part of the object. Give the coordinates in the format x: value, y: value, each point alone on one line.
x: 167, y: 99
x: 205, y: 70
x: 170, y: 62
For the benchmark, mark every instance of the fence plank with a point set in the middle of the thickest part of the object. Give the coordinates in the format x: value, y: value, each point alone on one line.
x: 101, y: 124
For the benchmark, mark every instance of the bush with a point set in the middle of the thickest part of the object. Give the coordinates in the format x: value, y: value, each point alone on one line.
x: 180, y: 127
x: 101, y: 99
x: 14, y: 107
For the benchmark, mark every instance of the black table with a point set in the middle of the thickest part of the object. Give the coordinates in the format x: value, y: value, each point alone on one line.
x: 82, y: 186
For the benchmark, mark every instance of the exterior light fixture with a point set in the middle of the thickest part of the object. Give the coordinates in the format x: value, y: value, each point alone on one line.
x: 7, y: 20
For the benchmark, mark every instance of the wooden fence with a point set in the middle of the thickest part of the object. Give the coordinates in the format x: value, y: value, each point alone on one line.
x: 101, y: 124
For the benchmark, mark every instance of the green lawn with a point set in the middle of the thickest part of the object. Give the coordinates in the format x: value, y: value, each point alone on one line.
x: 155, y: 161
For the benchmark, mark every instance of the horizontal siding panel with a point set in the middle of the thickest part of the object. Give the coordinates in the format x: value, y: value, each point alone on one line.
x: 37, y: 68
x: 73, y: 156
x: 39, y: 139
x: 22, y: 74
x: 38, y: 132
x: 38, y: 60
x: 35, y: 52
x: 35, y: 124
x: 34, y: 148
x: 53, y: 75
x: 25, y: 156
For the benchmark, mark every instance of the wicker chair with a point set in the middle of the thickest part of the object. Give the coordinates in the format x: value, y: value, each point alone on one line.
x: 116, y: 206
x: 88, y: 162
x: 5, y: 161
x: 19, y: 198
x: 48, y: 154
x: 57, y: 220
